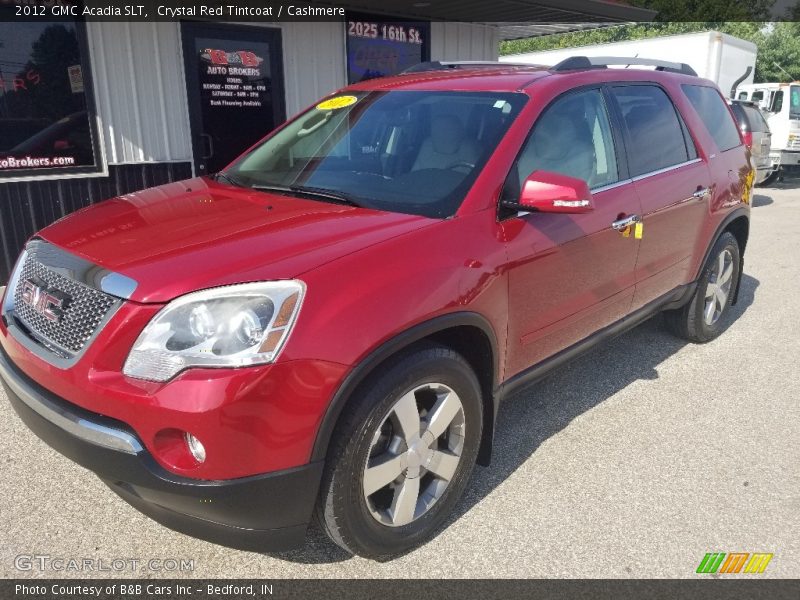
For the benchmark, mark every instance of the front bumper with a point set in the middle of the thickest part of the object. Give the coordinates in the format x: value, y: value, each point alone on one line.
x: 262, y: 512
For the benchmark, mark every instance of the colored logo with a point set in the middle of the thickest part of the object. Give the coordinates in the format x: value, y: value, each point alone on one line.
x: 735, y: 562
x: 50, y: 303
x: 221, y: 57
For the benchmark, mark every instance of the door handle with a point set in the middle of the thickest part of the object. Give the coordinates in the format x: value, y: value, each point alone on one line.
x: 209, y: 147
x: 622, y: 224
x: 701, y: 193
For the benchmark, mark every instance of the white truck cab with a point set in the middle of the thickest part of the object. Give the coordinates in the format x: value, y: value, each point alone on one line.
x: 781, y: 104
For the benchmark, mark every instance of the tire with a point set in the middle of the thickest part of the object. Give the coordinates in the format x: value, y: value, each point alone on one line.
x: 704, y: 317
x: 382, y: 521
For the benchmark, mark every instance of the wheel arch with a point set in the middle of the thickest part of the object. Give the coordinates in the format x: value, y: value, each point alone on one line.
x: 468, y: 333
x: 738, y: 224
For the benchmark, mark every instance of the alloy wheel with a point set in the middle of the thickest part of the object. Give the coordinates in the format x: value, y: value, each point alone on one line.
x: 414, y: 454
x: 720, y: 281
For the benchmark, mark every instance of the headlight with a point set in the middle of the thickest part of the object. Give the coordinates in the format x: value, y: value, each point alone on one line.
x: 232, y: 326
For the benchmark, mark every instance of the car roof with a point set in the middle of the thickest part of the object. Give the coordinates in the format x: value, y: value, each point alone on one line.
x: 506, y: 77
x: 500, y: 78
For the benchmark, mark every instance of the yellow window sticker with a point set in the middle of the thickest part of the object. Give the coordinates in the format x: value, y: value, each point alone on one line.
x: 338, y: 102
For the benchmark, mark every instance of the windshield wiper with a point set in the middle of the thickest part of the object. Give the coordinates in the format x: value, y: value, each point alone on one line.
x: 313, y: 192
x: 224, y: 176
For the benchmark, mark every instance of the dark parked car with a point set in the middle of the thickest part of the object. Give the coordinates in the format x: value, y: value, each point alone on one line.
x: 327, y: 326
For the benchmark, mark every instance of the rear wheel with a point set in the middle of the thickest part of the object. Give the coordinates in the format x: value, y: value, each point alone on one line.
x: 402, y: 454
x: 703, y: 317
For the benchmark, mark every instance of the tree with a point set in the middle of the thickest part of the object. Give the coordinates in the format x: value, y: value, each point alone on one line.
x: 779, y: 54
x: 708, y: 10
x: 775, y: 42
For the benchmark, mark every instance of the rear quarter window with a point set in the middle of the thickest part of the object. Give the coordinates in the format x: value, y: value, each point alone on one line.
x: 741, y: 117
x: 756, y: 119
x: 714, y: 114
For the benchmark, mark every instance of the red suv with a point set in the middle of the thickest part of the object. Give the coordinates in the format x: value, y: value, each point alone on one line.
x: 327, y: 326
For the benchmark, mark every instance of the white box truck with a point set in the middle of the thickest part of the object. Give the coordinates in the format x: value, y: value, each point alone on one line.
x: 722, y: 58
x: 781, y: 105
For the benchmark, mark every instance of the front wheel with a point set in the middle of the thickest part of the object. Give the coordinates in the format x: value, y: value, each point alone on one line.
x: 402, y: 454
x: 703, y: 317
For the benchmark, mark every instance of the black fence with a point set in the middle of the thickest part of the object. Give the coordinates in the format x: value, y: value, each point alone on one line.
x: 26, y: 207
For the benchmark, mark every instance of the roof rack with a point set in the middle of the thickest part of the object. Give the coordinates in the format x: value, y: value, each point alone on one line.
x: 575, y: 63
x: 436, y: 65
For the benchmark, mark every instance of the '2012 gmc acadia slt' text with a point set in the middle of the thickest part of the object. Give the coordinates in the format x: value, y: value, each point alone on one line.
x: 325, y: 327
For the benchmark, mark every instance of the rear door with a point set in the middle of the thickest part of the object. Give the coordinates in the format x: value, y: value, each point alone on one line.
x: 569, y: 275
x: 672, y: 183
x: 728, y: 159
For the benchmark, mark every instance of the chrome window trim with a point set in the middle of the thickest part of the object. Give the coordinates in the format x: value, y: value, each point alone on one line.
x: 666, y: 169
x: 610, y: 186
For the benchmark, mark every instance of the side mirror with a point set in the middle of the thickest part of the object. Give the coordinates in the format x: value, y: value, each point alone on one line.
x: 546, y: 191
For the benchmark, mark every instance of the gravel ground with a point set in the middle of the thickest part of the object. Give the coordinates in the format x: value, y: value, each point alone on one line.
x: 633, y: 461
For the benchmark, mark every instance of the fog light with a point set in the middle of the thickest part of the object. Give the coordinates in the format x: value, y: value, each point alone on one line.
x: 195, y: 447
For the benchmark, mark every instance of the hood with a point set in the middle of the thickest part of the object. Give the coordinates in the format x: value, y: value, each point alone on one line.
x: 195, y: 234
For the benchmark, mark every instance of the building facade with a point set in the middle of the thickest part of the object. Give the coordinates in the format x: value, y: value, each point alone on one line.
x: 93, y: 110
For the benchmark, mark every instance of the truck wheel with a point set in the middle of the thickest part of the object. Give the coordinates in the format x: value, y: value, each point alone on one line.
x: 402, y: 454
x: 702, y: 318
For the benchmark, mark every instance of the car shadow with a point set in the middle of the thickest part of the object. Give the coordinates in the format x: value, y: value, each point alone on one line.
x: 761, y: 200
x: 788, y: 182
x: 536, y: 413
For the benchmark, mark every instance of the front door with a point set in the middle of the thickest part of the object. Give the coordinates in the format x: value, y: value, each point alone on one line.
x: 234, y: 81
x: 570, y: 274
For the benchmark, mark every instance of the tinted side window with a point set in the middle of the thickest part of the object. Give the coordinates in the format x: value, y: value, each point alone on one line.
x: 573, y: 137
x: 777, y: 102
x: 741, y: 117
x: 655, y: 134
x: 715, y: 115
x: 756, y: 119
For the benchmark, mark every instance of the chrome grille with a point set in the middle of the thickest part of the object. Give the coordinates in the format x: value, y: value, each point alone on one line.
x: 83, y: 313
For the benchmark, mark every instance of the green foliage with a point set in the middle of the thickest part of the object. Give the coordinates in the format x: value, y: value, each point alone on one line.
x: 775, y: 42
x: 708, y: 10
x: 781, y: 46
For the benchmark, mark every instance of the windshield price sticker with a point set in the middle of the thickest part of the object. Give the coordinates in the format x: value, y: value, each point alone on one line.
x: 338, y: 102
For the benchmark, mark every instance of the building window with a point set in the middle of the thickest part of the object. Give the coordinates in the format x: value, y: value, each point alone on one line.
x: 377, y: 47
x: 46, y: 108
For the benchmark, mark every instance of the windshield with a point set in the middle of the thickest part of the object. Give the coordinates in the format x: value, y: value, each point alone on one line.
x: 410, y: 152
x: 794, y: 102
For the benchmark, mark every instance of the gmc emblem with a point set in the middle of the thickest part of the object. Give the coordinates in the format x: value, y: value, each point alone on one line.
x: 50, y: 303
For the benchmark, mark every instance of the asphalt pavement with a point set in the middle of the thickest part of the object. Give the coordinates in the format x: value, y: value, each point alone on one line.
x: 633, y: 461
